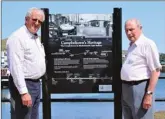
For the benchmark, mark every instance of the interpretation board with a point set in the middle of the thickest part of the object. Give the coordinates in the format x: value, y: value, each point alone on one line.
x: 79, y: 53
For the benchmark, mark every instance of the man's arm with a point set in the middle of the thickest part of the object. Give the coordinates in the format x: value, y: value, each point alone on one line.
x: 152, y: 58
x: 15, y: 53
x: 153, y: 80
x: 151, y: 88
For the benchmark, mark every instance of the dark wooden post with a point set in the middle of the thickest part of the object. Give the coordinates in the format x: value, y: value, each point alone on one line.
x: 45, y: 90
x: 117, y: 62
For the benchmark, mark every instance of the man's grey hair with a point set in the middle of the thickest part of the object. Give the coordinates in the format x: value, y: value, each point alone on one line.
x: 29, y: 12
x: 134, y: 20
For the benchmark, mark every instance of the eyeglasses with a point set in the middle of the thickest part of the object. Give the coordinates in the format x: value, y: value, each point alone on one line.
x: 35, y: 20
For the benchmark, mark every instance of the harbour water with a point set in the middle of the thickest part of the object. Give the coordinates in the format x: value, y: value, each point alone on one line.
x: 84, y: 110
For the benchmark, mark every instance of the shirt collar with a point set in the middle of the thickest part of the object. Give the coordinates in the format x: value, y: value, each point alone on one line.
x: 138, y: 41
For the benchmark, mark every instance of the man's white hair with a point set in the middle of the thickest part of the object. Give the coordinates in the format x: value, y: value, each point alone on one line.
x: 134, y: 20
x: 29, y: 12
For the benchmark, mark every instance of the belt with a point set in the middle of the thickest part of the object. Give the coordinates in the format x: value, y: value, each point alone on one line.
x: 33, y: 80
x: 134, y: 82
x: 28, y: 79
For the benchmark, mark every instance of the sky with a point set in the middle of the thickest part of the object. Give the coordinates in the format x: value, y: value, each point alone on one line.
x: 150, y: 14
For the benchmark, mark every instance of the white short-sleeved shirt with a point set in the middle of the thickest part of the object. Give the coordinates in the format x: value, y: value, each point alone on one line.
x: 26, y: 57
x: 142, y: 58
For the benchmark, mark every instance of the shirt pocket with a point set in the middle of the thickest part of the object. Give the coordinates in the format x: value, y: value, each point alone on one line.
x: 132, y: 58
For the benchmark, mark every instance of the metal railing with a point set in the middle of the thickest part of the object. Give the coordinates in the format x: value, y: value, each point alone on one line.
x: 4, y: 84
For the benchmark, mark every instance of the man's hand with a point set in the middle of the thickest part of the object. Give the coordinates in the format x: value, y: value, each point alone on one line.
x: 26, y: 99
x: 147, y: 102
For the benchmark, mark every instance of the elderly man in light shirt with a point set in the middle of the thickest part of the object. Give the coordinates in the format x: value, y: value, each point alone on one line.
x: 26, y: 59
x: 139, y: 73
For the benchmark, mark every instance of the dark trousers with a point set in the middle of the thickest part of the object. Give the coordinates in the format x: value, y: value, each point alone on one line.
x: 18, y: 110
